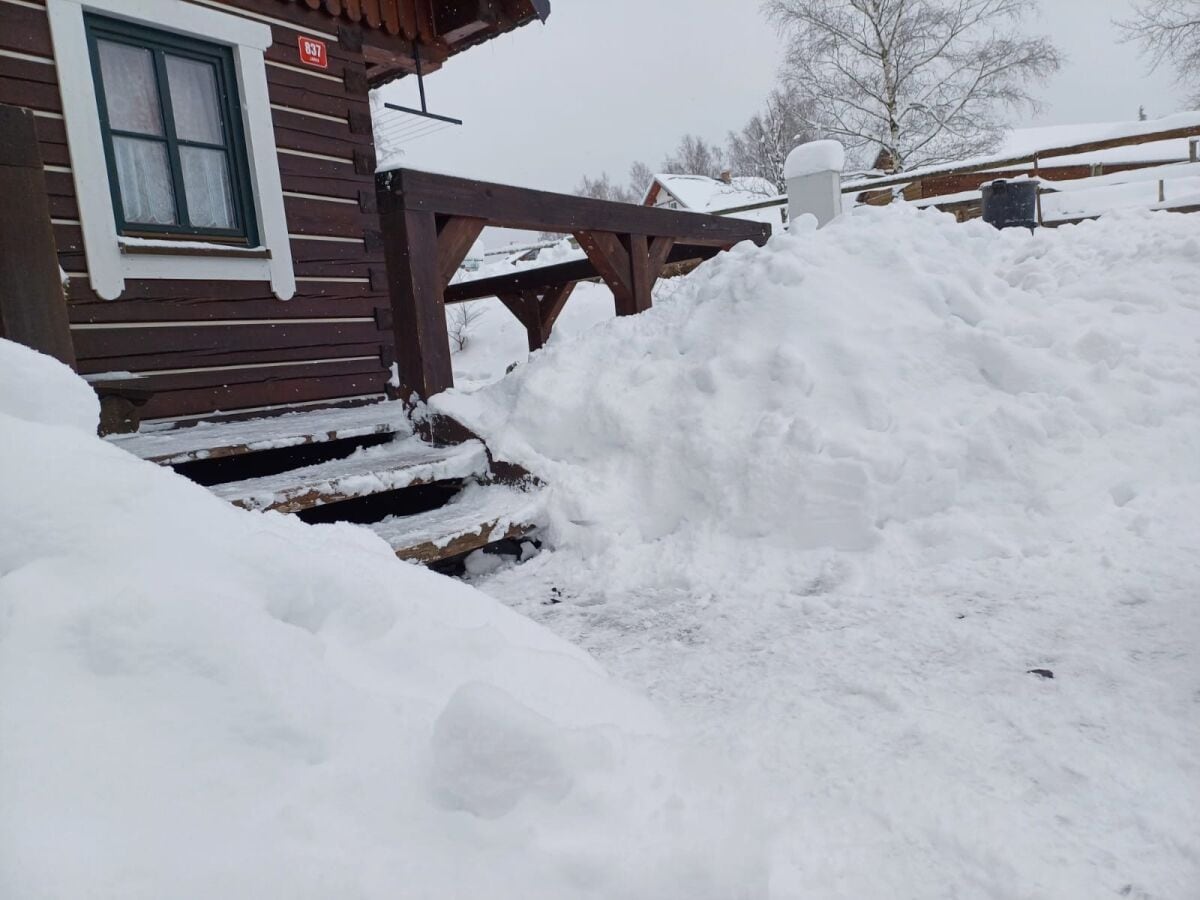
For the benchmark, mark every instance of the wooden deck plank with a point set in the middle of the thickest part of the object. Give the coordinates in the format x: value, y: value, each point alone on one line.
x: 172, y: 445
x: 480, y: 515
x: 374, y: 470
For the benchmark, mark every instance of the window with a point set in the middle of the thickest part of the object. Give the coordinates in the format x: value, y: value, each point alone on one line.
x: 172, y: 141
x: 172, y: 133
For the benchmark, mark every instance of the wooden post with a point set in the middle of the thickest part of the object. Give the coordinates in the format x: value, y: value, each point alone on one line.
x: 1037, y: 174
x: 527, y: 308
x: 640, y: 275
x: 33, y: 309
x: 410, y: 239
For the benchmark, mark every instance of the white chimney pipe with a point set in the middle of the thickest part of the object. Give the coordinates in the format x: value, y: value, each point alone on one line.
x: 814, y: 179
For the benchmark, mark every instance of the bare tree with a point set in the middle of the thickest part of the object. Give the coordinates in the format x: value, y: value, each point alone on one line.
x: 921, y: 80
x: 761, y: 148
x: 604, y: 188
x: 1169, y: 33
x: 695, y: 156
x: 641, y: 176
x: 462, y: 319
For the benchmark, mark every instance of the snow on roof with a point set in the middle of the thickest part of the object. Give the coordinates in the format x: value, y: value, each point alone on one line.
x: 1029, y: 141
x: 700, y: 193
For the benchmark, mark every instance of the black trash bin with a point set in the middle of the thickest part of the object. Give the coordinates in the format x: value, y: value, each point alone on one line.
x: 1010, y: 204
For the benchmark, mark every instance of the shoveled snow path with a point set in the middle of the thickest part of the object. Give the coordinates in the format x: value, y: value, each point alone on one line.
x: 895, y: 739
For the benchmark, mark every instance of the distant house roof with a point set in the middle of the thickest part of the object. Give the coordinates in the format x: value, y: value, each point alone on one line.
x: 699, y: 193
x: 449, y: 27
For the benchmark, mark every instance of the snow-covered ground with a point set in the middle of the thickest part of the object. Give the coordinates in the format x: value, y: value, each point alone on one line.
x: 202, y: 702
x: 841, y: 506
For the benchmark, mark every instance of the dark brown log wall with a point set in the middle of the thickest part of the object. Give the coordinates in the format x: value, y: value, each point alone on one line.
x: 205, y: 346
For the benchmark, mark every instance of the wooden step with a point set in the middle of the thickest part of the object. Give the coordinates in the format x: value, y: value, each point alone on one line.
x: 403, y: 463
x: 480, y: 515
x: 175, y: 444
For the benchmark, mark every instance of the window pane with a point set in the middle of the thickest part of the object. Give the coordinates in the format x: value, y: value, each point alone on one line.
x: 195, y: 101
x: 144, y: 175
x: 206, y: 180
x: 130, y: 88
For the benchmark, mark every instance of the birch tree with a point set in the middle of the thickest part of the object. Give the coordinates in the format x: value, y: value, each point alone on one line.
x: 924, y: 80
x: 1169, y: 33
x: 761, y: 148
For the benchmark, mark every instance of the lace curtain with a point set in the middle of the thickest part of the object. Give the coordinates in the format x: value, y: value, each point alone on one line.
x: 143, y: 167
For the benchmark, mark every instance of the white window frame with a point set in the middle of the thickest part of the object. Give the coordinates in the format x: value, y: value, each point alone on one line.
x: 113, y: 258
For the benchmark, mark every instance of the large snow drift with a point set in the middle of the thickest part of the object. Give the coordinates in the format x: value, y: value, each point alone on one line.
x: 833, y: 500
x: 197, y: 701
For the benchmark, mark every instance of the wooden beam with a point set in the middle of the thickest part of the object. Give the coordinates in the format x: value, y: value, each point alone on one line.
x: 467, y: 18
x: 456, y: 237
x: 611, y: 261
x: 552, y: 304
x: 505, y: 206
x: 543, y: 278
x: 418, y: 312
x: 1008, y: 162
x: 33, y: 307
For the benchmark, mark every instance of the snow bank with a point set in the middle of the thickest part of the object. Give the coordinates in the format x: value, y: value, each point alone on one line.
x: 197, y: 701
x: 833, y: 500
x: 818, y: 396
x: 38, y: 388
x: 813, y: 157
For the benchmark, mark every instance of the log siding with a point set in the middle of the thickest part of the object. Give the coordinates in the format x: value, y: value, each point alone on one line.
x: 228, y: 346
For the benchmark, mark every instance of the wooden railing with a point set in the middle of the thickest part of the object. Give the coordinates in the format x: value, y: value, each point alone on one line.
x: 431, y: 221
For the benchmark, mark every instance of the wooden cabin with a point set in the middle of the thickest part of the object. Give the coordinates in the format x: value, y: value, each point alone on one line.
x: 211, y: 181
x: 203, y: 174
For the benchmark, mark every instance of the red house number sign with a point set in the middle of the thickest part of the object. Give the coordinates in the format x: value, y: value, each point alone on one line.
x: 313, y: 53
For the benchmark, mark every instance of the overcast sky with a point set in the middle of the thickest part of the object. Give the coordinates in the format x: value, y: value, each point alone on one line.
x: 605, y: 82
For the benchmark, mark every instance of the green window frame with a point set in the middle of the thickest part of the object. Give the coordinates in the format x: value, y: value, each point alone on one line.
x: 177, y: 166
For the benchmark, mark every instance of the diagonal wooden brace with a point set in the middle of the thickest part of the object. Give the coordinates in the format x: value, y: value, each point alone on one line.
x: 456, y: 236
x: 611, y: 261
x: 552, y: 304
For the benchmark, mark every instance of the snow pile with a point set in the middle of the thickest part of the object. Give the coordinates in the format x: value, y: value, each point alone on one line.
x: 835, y: 499
x: 38, y: 388
x: 901, y: 378
x: 197, y: 701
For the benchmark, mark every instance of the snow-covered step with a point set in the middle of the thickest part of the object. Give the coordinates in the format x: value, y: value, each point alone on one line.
x: 174, y: 444
x: 402, y: 463
x: 480, y: 515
